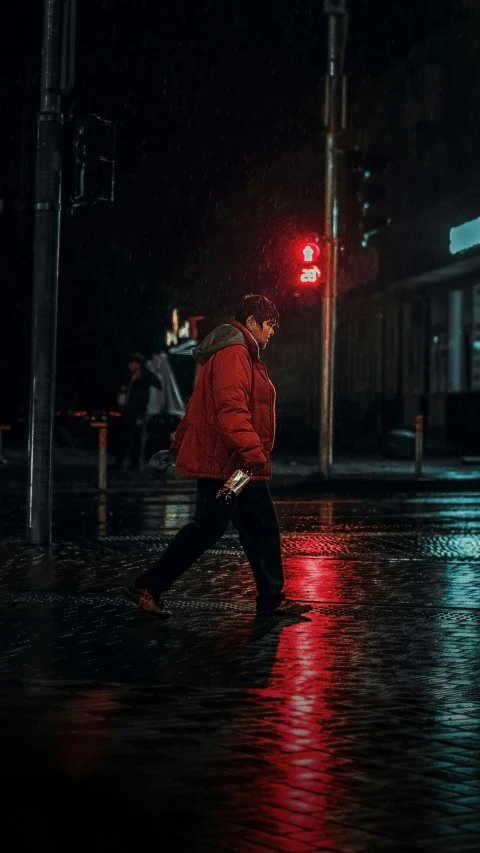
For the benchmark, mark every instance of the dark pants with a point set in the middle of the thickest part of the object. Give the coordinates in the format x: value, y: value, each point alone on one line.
x: 253, y: 515
x: 131, y: 441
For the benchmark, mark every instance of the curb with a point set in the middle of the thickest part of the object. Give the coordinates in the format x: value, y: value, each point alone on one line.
x: 315, y: 486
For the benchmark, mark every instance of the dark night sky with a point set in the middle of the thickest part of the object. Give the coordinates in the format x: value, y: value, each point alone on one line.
x: 206, y: 85
x: 200, y: 91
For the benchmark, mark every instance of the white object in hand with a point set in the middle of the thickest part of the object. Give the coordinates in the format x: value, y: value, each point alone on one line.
x: 234, y: 485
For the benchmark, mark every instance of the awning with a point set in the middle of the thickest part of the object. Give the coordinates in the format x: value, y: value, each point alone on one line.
x: 460, y: 269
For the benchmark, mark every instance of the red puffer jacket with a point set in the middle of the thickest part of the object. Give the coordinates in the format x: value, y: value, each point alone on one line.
x: 230, y: 419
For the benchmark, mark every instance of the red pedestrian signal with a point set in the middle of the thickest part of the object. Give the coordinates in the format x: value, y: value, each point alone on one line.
x: 311, y: 275
x: 311, y: 260
x: 311, y: 253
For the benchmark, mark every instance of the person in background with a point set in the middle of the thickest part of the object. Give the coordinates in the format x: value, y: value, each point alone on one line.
x: 122, y: 397
x: 134, y: 411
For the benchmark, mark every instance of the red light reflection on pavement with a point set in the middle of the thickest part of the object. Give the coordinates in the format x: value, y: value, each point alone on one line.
x: 284, y: 729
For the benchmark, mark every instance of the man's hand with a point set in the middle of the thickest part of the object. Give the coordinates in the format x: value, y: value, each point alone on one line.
x: 234, y: 485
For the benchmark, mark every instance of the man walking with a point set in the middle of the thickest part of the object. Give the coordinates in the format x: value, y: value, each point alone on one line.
x: 229, y: 424
x: 135, y: 411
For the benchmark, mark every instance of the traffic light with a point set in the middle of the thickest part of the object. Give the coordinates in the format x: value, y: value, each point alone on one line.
x: 93, y: 160
x: 311, y: 261
x: 367, y: 184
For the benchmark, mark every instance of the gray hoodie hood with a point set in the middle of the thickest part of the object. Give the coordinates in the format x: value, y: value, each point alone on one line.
x: 220, y: 338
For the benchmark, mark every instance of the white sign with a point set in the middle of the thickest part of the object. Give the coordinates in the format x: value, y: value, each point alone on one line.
x: 465, y: 236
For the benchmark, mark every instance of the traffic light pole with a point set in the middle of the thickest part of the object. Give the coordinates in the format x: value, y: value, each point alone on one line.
x: 334, y: 120
x: 45, y: 280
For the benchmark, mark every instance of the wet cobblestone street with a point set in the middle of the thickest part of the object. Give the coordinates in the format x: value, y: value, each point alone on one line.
x: 355, y: 730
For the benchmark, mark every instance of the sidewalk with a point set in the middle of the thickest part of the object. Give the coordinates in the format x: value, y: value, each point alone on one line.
x: 363, y: 472
x: 77, y: 469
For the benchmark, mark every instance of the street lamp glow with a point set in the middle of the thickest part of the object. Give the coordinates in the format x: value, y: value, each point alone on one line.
x: 465, y: 236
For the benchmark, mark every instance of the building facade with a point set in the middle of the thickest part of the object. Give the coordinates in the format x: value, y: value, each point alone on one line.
x: 409, y: 334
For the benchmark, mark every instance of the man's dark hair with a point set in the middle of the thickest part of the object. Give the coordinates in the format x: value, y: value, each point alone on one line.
x: 261, y: 308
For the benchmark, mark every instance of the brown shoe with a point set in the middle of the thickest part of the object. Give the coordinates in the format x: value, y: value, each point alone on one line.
x: 288, y: 607
x: 145, y: 600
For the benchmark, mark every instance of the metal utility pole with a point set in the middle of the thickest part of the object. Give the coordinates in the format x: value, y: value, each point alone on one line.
x: 334, y: 123
x: 45, y: 279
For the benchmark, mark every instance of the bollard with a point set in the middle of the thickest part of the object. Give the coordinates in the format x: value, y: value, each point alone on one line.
x: 102, y: 459
x: 418, y: 445
x: 102, y: 427
x: 102, y: 515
